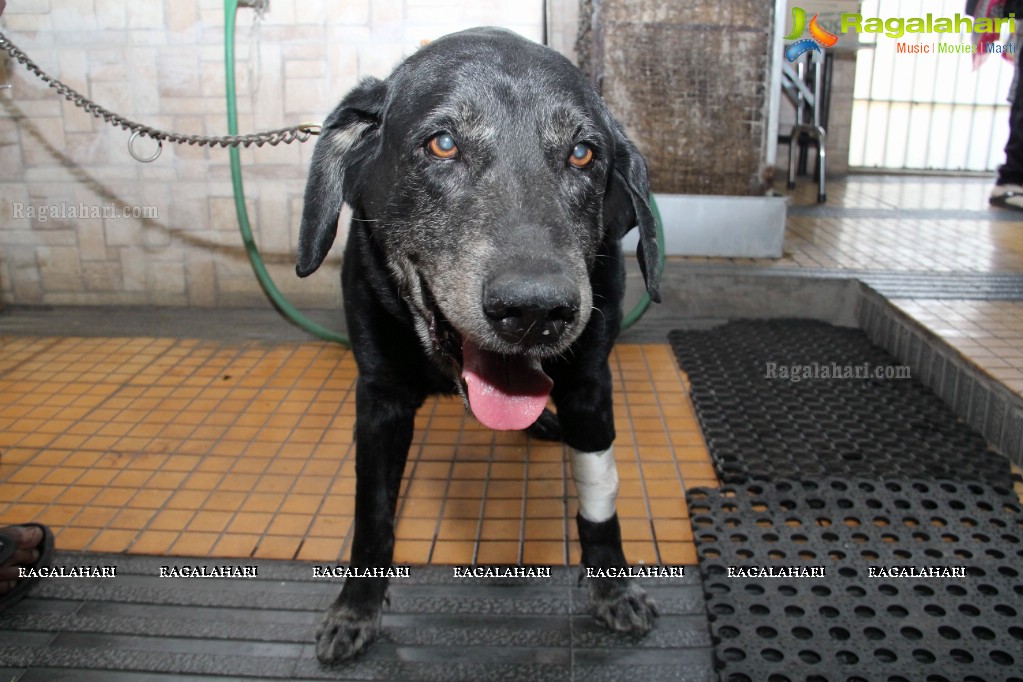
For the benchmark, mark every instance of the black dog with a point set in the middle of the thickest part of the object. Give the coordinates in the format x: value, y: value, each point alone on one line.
x: 490, y: 188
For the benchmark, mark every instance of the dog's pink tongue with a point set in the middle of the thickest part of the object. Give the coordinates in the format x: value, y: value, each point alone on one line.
x: 505, y: 393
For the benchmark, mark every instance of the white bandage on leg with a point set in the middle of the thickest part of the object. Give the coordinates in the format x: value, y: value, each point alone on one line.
x: 596, y: 481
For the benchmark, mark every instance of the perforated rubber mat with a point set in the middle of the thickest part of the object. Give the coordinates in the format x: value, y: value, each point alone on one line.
x: 801, y: 398
x: 959, y: 618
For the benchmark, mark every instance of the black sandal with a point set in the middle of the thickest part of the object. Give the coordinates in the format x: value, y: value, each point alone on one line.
x: 1009, y: 199
x: 8, y: 545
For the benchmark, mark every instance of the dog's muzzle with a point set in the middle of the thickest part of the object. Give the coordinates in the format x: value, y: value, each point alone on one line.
x: 531, y: 307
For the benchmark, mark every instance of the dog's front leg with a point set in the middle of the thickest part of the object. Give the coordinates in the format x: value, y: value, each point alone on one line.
x: 586, y: 416
x: 383, y: 434
x: 617, y: 602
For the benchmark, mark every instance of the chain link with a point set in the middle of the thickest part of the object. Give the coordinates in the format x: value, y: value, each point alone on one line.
x: 300, y: 133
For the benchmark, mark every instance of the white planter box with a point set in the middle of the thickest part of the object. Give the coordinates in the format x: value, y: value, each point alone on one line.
x: 722, y: 226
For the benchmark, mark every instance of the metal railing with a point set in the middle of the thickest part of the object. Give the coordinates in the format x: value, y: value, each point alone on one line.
x: 915, y: 110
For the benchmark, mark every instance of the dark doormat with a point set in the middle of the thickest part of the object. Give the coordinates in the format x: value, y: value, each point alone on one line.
x: 921, y: 580
x: 863, y: 532
x: 139, y: 626
x: 801, y: 398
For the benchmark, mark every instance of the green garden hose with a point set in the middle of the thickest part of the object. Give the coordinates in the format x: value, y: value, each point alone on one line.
x: 271, y: 290
x: 644, y: 301
x: 259, y: 267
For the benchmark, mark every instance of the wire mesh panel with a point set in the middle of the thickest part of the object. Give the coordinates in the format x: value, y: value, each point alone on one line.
x: 920, y: 103
x: 687, y: 79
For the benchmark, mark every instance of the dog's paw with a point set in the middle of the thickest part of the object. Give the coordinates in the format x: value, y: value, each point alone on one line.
x: 546, y: 427
x: 343, y: 634
x: 622, y: 607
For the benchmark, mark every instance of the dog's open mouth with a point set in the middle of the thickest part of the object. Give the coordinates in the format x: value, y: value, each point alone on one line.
x: 504, y: 392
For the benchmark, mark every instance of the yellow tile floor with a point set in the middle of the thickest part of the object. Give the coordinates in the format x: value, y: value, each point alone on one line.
x: 903, y: 242
x: 187, y: 447
x: 989, y: 333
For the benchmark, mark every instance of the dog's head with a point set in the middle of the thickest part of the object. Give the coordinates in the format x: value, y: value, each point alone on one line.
x: 489, y: 173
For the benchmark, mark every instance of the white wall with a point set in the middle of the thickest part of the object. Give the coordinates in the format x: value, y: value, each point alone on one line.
x: 161, y: 63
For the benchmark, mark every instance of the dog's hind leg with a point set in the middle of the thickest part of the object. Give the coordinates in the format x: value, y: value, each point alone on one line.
x: 385, y: 420
x: 546, y: 427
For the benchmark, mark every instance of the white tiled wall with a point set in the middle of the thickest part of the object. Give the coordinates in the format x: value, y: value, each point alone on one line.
x: 161, y: 63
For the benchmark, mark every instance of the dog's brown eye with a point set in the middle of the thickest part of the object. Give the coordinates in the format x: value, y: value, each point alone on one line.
x: 442, y: 146
x: 581, y: 155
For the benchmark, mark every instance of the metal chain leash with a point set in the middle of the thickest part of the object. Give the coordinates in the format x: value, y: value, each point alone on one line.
x: 299, y: 133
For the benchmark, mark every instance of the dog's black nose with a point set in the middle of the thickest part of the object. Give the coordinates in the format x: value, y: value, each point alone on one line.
x: 531, y: 306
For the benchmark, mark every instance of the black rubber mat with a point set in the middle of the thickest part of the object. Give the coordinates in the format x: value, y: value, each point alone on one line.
x: 139, y: 626
x: 960, y: 619
x: 771, y: 407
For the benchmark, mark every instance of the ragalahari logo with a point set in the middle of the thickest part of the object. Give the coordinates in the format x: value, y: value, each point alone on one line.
x: 819, y: 38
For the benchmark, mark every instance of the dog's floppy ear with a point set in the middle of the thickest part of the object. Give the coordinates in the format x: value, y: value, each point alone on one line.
x: 345, y: 142
x: 627, y: 205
